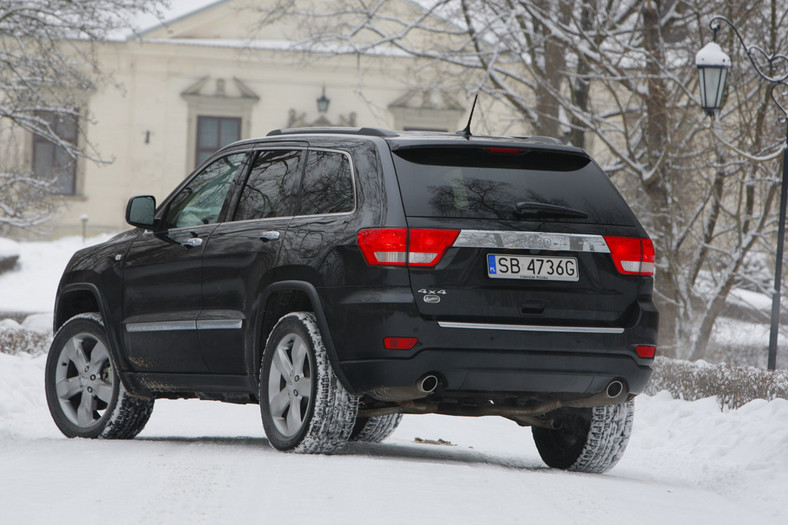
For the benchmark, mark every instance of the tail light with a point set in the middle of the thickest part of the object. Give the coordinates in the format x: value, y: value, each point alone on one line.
x: 632, y: 255
x: 401, y: 246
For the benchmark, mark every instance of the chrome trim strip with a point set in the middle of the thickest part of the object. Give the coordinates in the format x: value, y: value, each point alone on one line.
x: 171, y: 326
x: 564, y: 242
x: 533, y: 328
x: 163, y: 326
x: 220, y: 324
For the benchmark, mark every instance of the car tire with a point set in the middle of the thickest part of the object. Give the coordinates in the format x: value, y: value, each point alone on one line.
x: 375, y: 429
x: 304, y: 407
x: 590, y: 439
x: 84, y: 393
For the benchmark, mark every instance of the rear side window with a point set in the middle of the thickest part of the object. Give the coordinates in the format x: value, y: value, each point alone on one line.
x: 327, y: 186
x: 507, y: 184
x: 272, y: 186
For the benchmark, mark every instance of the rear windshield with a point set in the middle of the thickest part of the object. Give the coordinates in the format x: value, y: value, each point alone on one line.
x: 503, y: 183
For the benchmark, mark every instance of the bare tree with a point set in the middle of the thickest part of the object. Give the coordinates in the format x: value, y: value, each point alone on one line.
x: 617, y: 77
x: 47, y: 64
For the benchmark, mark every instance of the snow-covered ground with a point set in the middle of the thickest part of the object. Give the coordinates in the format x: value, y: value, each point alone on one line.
x: 207, y: 462
x: 31, y: 286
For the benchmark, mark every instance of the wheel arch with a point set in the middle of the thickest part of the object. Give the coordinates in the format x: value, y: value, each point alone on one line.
x: 76, y: 299
x: 280, y: 299
x: 83, y: 297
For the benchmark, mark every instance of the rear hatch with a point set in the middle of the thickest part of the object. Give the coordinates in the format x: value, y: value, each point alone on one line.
x: 519, y: 233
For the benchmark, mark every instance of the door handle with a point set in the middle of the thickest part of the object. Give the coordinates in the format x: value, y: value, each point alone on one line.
x: 269, y: 236
x: 192, y: 242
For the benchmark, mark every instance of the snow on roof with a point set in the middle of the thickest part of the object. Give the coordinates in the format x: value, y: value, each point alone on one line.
x: 278, y: 45
x: 176, y: 10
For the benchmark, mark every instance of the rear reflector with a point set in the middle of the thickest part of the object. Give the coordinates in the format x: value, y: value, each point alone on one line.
x: 401, y: 246
x: 646, y: 351
x: 400, y: 343
x: 632, y: 255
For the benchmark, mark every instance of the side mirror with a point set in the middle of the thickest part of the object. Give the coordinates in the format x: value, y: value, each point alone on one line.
x: 141, y: 211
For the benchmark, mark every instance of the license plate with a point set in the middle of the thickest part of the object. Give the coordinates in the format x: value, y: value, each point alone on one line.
x: 532, y: 267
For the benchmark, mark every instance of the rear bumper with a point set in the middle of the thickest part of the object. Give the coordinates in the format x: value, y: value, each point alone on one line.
x: 525, y: 372
x: 475, y: 356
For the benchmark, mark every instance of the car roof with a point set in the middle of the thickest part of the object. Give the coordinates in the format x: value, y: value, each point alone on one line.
x: 410, y: 139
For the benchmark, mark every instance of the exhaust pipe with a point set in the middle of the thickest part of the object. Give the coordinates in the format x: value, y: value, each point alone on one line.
x: 428, y: 384
x: 419, y: 390
x: 614, y: 389
x: 615, y: 392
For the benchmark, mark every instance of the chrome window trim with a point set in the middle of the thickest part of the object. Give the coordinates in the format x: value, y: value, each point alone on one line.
x: 533, y: 328
x: 521, y: 240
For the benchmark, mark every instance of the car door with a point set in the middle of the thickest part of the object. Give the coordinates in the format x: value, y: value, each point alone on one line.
x: 240, y: 256
x: 162, y: 278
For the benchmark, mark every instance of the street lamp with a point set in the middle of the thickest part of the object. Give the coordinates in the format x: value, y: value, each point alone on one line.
x: 323, y: 102
x: 713, y: 65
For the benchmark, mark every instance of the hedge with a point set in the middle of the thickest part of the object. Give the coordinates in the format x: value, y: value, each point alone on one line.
x: 732, y: 386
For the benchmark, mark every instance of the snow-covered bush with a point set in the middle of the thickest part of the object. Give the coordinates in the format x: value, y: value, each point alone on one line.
x: 16, y: 339
x: 732, y: 386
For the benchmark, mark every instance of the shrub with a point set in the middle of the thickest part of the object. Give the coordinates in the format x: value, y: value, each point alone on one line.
x: 732, y: 386
x: 15, y: 340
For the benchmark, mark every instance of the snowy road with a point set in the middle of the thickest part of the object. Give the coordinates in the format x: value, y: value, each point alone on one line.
x: 207, y: 462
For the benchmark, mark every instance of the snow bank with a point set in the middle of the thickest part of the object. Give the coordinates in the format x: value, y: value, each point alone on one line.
x: 8, y: 248
x: 22, y: 405
x: 206, y: 462
x: 9, y: 253
x: 31, y: 285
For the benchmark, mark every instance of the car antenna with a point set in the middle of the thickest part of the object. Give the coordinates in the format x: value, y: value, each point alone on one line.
x: 467, y: 131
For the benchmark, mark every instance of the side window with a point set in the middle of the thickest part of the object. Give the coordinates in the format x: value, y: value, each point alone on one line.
x: 271, y: 189
x: 201, y: 201
x: 327, y: 186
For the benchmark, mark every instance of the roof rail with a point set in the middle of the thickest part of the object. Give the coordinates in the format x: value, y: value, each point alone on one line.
x: 372, y: 132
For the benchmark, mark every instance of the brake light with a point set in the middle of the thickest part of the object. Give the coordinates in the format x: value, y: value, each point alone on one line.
x: 401, y: 246
x: 509, y: 151
x: 632, y: 255
x: 384, y: 247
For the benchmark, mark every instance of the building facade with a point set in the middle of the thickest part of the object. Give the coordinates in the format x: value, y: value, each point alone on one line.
x: 182, y: 90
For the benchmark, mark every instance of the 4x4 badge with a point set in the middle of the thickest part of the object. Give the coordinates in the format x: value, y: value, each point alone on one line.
x: 432, y: 296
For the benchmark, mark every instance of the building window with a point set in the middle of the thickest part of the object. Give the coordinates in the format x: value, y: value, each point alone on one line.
x: 52, y: 162
x: 213, y: 133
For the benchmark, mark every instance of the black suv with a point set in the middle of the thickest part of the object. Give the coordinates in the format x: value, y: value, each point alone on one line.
x: 343, y: 277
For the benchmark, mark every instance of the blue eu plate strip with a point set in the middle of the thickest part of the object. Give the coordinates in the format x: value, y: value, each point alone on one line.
x: 491, y: 265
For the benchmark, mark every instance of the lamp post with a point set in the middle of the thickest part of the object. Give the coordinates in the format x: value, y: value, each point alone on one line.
x: 713, y: 65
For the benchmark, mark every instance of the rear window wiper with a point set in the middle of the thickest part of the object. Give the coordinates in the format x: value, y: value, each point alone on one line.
x: 524, y: 209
